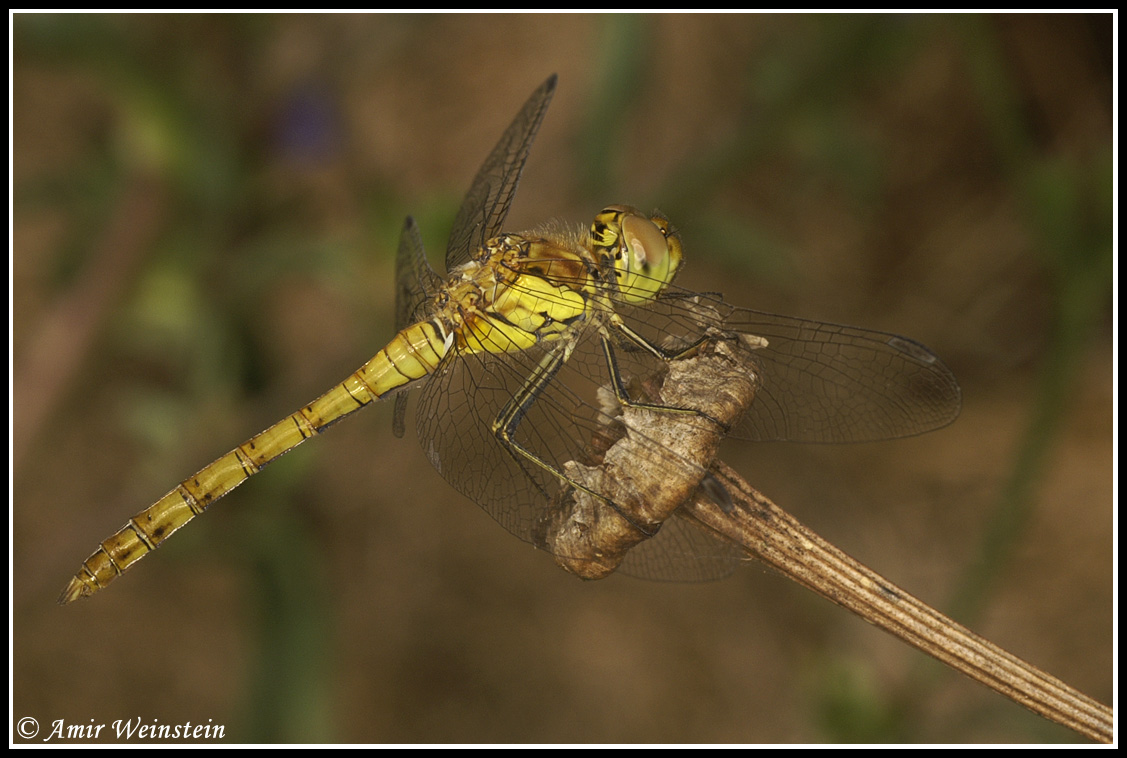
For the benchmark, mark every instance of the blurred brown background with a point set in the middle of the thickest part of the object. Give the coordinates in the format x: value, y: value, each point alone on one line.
x: 206, y: 210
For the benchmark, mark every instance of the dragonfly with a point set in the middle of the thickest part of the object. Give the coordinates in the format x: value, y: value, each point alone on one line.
x: 530, y: 346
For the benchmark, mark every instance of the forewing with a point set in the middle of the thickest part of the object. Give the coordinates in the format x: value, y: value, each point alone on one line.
x: 819, y: 382
x: 487, y: 202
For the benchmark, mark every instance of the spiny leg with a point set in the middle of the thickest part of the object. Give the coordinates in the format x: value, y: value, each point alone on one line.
x: 710, y: 484
x: 619, y: 386
x: 504, y: 427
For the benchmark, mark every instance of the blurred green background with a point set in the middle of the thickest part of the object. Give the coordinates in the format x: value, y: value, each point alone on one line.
x: 205, y: 214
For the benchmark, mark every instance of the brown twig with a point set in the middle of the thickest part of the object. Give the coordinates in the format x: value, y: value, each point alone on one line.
x: 638, y: 474
x: 773, y: 536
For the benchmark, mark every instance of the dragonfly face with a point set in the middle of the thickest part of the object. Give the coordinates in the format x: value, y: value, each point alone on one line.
x: 645, y: 252
x: 530, y: 349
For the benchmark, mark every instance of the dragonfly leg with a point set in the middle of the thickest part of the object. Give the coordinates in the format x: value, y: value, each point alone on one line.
x: 619, y: 386
x: 710, y: 484
x: 504, y: 427
x: 657, y: 350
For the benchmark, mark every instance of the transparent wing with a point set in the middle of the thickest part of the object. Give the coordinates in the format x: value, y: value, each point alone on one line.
x: 415, y: 284
x: 487, y: 202
x: 415, y: 281
x: 819, y: 382
x: 459, y: 404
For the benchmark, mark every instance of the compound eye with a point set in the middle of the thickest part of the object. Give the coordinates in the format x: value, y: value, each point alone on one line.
x: 646, y: 245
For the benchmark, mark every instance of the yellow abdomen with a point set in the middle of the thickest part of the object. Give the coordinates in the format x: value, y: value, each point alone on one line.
x: 412, y: 354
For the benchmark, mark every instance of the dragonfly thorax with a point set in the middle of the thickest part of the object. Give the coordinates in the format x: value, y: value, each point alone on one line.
x: 517, y: 291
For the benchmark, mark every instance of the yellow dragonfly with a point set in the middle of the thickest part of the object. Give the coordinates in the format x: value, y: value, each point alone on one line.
x: 523, y: 351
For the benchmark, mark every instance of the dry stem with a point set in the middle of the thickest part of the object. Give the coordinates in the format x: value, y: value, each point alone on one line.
x: 640, y: 476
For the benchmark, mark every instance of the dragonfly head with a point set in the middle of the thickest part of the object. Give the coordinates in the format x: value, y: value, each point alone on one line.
x: 644, y: 251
